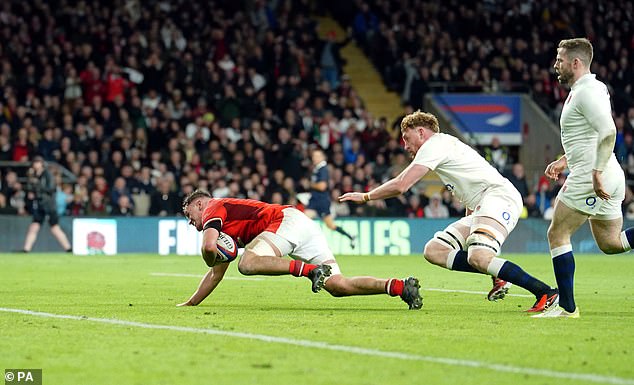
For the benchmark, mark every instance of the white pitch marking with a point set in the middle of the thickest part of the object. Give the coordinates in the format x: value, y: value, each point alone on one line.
x: 474, y: 292
x: 347, y: 349
x: 200, y: 276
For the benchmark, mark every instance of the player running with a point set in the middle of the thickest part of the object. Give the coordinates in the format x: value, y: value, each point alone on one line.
x: 595, y: 187
x: 472, y: 244
x: 270, y: 232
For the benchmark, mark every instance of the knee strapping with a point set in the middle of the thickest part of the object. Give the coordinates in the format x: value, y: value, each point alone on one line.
x: 451, y: 237
x: 485, y: 237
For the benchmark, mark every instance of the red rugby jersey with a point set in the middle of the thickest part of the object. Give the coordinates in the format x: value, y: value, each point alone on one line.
x: 243, y: 219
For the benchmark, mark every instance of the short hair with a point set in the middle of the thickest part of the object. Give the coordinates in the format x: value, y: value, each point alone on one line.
x: 420, y: 119
x: 578, y: 48
x: 199, y: 193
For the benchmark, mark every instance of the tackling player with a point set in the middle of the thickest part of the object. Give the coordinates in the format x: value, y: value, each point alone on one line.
x: 472, y: 244
x: 595, y: 187
x: 270, y: 232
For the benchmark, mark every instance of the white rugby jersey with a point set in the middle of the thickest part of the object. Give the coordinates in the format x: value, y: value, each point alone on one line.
x: 586, y: 111
x: 461, y: 168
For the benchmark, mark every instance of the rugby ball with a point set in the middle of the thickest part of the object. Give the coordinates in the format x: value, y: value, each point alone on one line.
x: 227, y: 248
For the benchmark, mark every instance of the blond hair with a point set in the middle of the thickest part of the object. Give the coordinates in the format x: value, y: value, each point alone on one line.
x: 580, y: 48
x: 420, y: 119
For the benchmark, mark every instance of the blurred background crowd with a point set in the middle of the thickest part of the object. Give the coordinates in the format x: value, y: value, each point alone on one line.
x: 141, y: 102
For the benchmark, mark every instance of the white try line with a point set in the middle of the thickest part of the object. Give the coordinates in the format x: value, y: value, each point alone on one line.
x: 344, y: 348
x: 261, y: 279
x: 200, y: 276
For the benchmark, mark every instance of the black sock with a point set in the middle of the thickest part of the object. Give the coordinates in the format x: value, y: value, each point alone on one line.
x: 342, y: 231
x: 513, y: 273
x: 564, y: 266
x: 460, y: 263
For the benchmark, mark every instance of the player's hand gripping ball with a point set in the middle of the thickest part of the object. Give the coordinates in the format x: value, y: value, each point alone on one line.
x: 227, y: 248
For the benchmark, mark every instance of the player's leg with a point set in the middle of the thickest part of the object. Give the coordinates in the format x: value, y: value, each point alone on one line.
x: 33, y: 229
x: 263, y: 256
x: 448, y: 249
x: 609, y: 237
x: 607, y: 223
x: 330, y: 223
x: 564, y: 223
x: 407, y: 289
x: 311, y: 248
x: 57, y: 232
x: 484, y: 242
x: 310, y: 213
x: 31, y: 236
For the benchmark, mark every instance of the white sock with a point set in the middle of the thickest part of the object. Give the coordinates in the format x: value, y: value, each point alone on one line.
x: 495, y: 265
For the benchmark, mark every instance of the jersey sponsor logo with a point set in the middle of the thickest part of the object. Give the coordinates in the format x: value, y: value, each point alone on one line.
x: 590, y: 201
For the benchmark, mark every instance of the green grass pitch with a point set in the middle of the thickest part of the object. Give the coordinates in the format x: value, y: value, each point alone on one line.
x: 125, y: 329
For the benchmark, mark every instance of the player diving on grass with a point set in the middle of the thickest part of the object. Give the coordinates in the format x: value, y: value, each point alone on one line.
x: 472, y: 244
x: 271, y: 232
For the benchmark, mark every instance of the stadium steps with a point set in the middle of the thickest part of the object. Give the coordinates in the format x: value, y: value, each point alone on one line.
x: 367, y: 82
x: 363, y: 76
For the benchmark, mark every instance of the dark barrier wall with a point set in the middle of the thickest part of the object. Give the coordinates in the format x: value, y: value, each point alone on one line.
x: 13, y: 231
x: 380, y: 236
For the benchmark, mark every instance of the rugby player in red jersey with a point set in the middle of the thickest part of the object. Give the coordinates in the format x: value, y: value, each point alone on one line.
x: 271, y: 232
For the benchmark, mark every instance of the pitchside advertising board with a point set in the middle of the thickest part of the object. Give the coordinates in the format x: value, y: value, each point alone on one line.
x: 94, y: 236
x: 176, y: 236
x: 484, y: 117
x: 375, y: 236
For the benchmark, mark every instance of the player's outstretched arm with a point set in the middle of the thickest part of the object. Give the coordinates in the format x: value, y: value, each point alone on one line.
x: 393, y: 187
x: 207, y: 284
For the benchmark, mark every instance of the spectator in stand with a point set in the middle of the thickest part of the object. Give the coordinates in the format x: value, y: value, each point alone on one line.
x: 497, y: 155
x: 365, y: 25
x: 123, y: 207
x: 5, y: 207
x: 414, y: 208
x: 435, y: 208
x: 531, y: 209
x: 119, y: 189
x: 164, y: 201
x: 518, y: 179
x: 330, y: 58
x: 96, y: 206
x: 77, y: 206
x: 91, y: 101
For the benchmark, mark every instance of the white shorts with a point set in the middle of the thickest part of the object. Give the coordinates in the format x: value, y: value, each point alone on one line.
x: 504, y: 204
x: 300, y: 238
x: 580, y: 196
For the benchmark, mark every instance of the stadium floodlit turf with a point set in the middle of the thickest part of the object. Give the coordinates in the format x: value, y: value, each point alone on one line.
x: 123, y: 328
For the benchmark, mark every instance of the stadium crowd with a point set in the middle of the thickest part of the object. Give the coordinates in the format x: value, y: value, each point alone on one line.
x: 145, y: 101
